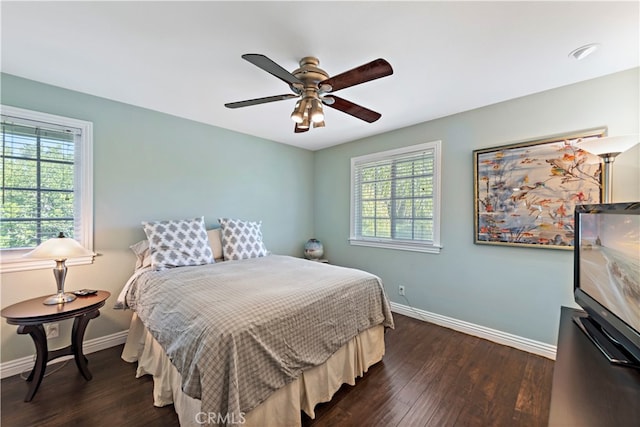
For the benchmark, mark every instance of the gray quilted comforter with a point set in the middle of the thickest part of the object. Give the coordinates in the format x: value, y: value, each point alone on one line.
x: 239, y: 330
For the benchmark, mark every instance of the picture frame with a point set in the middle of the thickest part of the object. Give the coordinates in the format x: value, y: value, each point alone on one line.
x: 525, y: 192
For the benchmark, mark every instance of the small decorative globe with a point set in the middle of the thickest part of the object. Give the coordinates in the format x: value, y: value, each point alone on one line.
x: 313, y: 249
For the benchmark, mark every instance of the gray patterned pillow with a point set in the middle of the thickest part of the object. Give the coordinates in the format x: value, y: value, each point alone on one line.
x: 241, y: 239
x: 178, y: 243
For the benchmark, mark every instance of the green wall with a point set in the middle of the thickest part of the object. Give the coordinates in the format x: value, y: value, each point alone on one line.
x: 153, y: 166
x: 149, y: 165
x: 514, y: 290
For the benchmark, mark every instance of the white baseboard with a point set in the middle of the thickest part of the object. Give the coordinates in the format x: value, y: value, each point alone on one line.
x: 504, y: 338
x: 25, y: 364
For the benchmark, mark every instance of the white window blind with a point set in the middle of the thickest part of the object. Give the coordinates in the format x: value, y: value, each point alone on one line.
x: 46, y: 178
x: 395, y: 198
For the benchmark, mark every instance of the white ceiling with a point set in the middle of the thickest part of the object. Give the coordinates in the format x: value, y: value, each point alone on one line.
x: 183, y: 58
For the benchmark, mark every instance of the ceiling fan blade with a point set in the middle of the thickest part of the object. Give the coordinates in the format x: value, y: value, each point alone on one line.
x: 272, y: 68
x: 298, y: 129
x: 257, y: 101
x: 355, y: 110
x: 364, y: 73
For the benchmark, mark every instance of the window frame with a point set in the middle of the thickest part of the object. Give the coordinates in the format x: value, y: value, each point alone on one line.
x: 433, y: 246
x: 11, y: 259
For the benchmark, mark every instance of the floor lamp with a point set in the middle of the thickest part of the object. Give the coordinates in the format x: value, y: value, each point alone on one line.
x: 607, y: 148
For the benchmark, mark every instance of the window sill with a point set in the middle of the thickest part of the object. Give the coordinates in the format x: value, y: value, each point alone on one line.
x: 402, y: 246
x: 14, y: 262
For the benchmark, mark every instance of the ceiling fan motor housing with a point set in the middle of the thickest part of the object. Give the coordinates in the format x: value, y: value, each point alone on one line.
x: 309, y: 72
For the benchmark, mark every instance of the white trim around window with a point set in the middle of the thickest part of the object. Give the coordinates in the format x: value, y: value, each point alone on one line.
x: 11, y: 259
x: 421, y: 163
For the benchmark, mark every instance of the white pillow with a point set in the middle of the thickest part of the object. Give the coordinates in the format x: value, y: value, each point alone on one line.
x: 215, y: 240
x: 178, y: 243
x: 241, y: 239
x: 143, y: 256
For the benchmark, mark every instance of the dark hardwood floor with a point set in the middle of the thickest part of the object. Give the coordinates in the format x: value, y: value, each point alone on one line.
x: 114, y: 397
x: 433, y: 376
x: 430, y: 376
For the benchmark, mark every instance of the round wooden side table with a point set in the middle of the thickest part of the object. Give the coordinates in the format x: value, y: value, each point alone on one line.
x: 31, y: 315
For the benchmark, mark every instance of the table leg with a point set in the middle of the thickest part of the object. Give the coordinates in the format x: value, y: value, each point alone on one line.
x: 77, y: 335
x: 37, y: 373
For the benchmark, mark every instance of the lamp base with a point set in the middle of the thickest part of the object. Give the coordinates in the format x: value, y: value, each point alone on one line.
x: 59, y: 298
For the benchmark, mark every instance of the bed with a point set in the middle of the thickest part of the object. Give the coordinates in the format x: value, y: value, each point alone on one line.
x: 252, y: 341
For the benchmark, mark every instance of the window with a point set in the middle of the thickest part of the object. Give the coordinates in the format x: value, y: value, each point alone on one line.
x: 46, y: 169
x: 395, y: 199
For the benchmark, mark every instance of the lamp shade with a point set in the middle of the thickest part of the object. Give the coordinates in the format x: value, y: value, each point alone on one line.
x: 609, y: 144
x: 60, y: 247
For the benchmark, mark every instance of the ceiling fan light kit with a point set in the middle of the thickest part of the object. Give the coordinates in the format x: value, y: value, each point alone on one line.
x: 311, y: 85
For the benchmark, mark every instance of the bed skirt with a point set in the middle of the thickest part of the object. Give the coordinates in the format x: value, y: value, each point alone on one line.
x: 282, y: 408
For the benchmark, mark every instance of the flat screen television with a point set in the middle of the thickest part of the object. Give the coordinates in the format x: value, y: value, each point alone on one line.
x: 607, y: 278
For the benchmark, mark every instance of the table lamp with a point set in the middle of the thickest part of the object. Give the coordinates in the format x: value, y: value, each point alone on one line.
x: 607, y: 148
x: 59, y: 249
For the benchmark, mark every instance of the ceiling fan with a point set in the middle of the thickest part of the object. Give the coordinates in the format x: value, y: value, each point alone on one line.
x: 314, y: 88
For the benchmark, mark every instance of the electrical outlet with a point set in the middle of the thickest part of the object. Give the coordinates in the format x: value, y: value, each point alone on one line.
x: 401, y: 290
x: 52, y: 330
